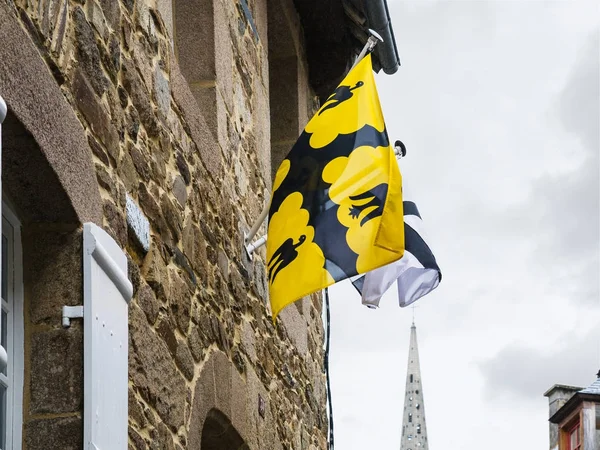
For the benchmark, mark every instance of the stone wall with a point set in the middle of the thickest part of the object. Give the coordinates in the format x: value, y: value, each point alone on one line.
x: 173, y: 98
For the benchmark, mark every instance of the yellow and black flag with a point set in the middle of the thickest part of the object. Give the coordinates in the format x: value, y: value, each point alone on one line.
x: 336, y: 209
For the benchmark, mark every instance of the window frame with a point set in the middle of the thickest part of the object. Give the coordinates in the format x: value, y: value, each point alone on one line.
x: 575, y: 427
x: 567, y: 426
x: 14, y: 378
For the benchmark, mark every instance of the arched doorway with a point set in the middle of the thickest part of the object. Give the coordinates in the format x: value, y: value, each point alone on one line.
x: 218, y: 433
x: 49, y: 182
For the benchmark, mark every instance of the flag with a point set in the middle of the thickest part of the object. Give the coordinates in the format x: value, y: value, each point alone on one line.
x: 416, y: 273
x: 337, y: 196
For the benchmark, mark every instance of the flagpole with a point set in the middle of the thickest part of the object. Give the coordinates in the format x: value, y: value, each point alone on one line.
x: 250, y: 248
x: 373, y: 40
x: 261, y: 218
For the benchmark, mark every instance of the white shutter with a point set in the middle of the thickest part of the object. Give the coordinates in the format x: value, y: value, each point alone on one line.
x: 3, y: 110
x: 107, y: 292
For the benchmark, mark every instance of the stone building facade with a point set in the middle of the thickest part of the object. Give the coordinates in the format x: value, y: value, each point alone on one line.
x: 182, y: 108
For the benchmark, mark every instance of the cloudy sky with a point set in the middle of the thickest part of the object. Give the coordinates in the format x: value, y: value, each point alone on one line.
x: 497, y: 103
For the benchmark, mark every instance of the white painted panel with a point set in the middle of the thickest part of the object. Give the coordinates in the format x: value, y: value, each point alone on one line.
x: 3, y: 110
x: 107, y: 292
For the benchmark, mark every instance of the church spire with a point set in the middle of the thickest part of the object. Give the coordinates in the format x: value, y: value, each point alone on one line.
x: 414, y: 429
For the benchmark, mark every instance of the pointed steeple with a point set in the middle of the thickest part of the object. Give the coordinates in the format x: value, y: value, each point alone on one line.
x: 414, y: 429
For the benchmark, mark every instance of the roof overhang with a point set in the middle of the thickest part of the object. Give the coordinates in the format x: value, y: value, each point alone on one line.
x: 336, y: 30
x: 374, y: 14
x: 571, y: 405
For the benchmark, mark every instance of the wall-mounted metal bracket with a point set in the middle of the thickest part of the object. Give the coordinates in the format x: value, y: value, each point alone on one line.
x: 399, y: 150
x: 71, y: 312
x: 253, y: 246
x: 374, y: 39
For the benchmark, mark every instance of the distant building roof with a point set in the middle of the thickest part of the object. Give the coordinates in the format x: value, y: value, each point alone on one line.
x: 593, y: 388
x: 592, y: 392
x: 565, y: 387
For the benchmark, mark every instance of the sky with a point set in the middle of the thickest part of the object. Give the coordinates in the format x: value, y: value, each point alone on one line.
x: 497, y: 103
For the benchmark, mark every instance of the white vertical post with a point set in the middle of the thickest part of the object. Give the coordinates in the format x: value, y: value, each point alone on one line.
x: 3, y: 110
x: 106, y: 295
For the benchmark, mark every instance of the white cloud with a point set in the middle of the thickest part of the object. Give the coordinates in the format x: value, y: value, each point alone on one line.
x: 525, y: 372
x: 497, y: 103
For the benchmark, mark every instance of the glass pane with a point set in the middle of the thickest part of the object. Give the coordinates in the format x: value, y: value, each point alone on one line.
x: 4, y: 325
x: 3, y: 333
x: 574, y: 436
x: 4, y: 267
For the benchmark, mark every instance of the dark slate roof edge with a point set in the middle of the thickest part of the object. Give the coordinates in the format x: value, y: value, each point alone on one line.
x: 380, y: 21
x: 573, y: 402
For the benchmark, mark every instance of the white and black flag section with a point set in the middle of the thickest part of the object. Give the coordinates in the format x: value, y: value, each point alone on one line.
x: 416, y: 273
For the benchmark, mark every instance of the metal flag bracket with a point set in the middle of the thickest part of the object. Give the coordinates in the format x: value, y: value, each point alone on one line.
x: 251, y: 247
x: 373, y: 40
x: 399, y: 149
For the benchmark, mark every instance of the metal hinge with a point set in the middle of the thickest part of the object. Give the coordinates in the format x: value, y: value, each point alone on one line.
x: 71, y: 312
